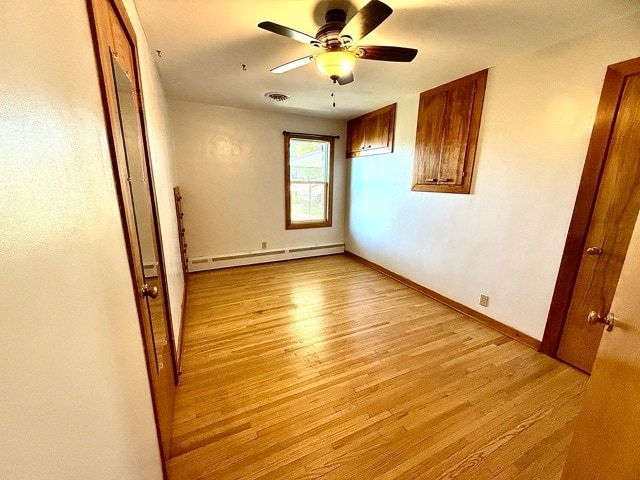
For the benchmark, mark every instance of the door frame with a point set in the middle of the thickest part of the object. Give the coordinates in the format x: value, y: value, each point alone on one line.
x: 585, y: 201
x: 112, y: 122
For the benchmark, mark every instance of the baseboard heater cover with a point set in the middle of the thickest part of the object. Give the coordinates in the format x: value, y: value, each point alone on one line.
x: 317, y: 247
x: 262, y: 256
x: 247, y: 255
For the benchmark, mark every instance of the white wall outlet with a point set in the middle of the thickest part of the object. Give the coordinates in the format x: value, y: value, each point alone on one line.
x: 264, y: 245
x: 484, y: 300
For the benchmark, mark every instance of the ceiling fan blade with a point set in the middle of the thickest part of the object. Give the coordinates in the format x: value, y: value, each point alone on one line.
x: 366, y: 20
x: 345, y: 79
x: 288, y: 32
x: 387, y: 54
x: 300, y: 62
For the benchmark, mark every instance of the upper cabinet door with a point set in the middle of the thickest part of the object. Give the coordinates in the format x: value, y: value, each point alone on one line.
x: 372, y: 133
x: 447, y: 134
x: 378, y: 130
x: 356, y: 137
x: 455, y: 136
x: 430, y: 129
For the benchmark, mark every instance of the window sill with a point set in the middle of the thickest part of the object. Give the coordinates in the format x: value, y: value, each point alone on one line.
x: 300, y: 225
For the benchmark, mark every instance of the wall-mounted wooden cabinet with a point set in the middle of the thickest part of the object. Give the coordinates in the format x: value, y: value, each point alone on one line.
x: 447, y: 134
x: 372, y: 133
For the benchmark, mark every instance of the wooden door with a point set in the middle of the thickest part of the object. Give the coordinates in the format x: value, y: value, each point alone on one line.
x: 455, y: 135
x: 377, y: 130
x: 614, y: 214
x: 116, y: 53
x: 606, y: 443
x: 431, y: 115
x: 356, y: 138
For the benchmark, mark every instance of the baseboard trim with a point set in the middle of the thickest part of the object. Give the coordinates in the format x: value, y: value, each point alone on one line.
x: 458, y: 307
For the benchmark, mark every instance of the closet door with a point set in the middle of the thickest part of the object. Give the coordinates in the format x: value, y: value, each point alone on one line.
x: 119, y: 74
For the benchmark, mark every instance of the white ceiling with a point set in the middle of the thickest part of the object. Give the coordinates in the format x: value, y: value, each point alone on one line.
x: 204, y: 44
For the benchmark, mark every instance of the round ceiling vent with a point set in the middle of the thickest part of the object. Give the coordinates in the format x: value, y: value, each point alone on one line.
x: 277, y: 96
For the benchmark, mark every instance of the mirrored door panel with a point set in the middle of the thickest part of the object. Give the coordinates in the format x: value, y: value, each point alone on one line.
x: 139, y: 188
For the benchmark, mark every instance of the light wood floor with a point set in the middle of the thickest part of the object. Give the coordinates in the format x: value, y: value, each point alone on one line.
x: 323, y: 368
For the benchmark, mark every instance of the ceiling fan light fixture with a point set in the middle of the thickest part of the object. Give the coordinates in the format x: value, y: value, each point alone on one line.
x: 336, y: 63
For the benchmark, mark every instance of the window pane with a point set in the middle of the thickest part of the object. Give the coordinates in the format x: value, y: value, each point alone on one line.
x: 307, y: 202
x: 309, y: 183
x: 308, y: 160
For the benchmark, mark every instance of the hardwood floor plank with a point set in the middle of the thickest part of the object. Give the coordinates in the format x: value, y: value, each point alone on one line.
x: 324, y: 368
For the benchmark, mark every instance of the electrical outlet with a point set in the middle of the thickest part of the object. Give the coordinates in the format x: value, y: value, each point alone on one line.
x: 264, y: 245
x: 484, y: 300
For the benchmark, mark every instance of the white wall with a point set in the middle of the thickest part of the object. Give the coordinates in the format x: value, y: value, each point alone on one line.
x: 74, y: 392
x: 231, y: 174
x: 506, y: 238
x: 156, y: 112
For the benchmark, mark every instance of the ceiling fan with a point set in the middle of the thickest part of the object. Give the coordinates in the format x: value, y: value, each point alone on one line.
x: 339, y: 40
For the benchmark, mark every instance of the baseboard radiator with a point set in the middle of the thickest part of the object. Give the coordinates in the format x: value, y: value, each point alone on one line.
x: 198, y: 264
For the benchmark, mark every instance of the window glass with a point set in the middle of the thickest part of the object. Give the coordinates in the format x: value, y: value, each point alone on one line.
x: 309, y: 164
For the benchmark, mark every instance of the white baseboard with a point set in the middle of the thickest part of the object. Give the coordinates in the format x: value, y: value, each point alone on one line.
x: 198, y: 264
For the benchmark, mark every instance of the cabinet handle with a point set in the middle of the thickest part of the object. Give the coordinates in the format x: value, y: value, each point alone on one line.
x: 445, y: 180
x: 431, y: 180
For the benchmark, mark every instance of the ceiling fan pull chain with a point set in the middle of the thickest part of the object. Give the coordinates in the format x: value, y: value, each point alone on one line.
x: 333, y: 95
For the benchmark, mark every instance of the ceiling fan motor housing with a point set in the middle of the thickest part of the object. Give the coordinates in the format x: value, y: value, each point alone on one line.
x: 328, y: 34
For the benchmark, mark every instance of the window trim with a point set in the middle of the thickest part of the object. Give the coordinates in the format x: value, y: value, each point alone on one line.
x: 327, y: 222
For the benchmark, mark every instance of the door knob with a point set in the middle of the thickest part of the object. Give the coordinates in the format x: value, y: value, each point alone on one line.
x: 594, y: 251
x: 149, y: 292
x: 595, y: 318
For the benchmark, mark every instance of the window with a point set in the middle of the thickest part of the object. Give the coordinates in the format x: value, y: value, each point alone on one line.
x: 308, y: 180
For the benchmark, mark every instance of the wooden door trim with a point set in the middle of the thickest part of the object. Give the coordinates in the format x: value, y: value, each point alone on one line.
x: 103, y: 58
x: 585, y: 201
